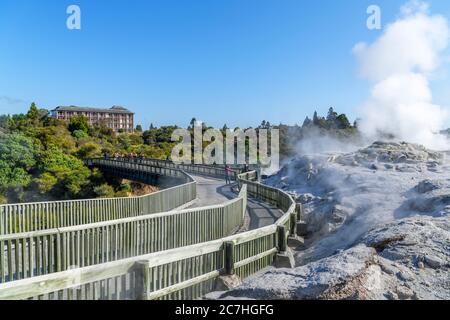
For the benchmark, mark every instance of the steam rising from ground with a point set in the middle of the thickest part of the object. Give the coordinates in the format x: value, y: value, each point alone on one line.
x: 399, y: 65
x: 378, y: 227
x: 345, y: 195
x: 316, y: 141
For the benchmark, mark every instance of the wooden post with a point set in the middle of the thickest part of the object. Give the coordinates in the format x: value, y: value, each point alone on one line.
x: 58, y: 251
x: 142, y: 276
x: 229, y: 257
x: 282, y: 240
x: 2, y: 223
x: 293, y: 226
x: 299, y: 211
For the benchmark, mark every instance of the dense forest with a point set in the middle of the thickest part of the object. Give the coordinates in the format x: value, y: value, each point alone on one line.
x: 41, y: 158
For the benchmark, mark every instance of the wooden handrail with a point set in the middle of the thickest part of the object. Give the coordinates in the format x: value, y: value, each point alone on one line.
x: 24, y: 217
x: 185, y: 272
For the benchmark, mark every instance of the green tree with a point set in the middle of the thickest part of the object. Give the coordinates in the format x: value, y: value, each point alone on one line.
x: 12, y: 178
x: 33, y: 112
x: 149, y: 136
x: 164, y: 134
x: 71, y: 173
x: 17, y: 150
x: 89, y: 150
x: 5, y: 123
x: 104, y: 191
x: 79, y: 123
x: 124, y: 142
x: 319, y: 121
x: 192, y: 123
x: 17, y: 157
x: 331, y: 118
x: 46, y: 182
x: 139, y: 128
x: 59, y: 136
x: 307, y: 122
x: 342, y: 122
x: 79, y: 134
x: 315, y: 118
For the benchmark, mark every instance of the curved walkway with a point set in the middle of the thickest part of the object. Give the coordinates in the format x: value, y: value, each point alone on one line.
x: 200, y: 238
x: 212, y: 191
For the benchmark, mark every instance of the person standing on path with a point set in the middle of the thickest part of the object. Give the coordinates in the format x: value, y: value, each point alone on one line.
x: 228, y: 171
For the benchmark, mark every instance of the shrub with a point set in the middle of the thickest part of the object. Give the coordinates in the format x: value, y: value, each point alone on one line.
x: 79, y: 123
x: 79, y: 134
x: 104, y: 191
x: 89, y: 150
x: 46, y: 182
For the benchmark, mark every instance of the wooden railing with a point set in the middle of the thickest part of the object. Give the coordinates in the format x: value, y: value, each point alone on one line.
x: 180, y: 273
x: 217, y: 171
x: 36, y: 253
x: 177, y: 273
x: 27, y: 217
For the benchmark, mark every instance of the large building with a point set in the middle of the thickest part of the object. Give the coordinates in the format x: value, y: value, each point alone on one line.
x: 116, y: 118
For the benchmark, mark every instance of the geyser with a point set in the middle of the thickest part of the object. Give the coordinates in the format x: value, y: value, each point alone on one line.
x: 399, y: 65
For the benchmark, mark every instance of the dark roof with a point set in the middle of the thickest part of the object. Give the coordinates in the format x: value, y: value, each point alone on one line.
x: 114, y: 109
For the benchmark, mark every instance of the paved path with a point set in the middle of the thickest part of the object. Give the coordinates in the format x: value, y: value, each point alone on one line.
x: 212, y: 191
x: 207, y: 191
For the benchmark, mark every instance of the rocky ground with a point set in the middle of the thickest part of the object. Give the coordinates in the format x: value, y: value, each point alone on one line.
x: 378, y: 223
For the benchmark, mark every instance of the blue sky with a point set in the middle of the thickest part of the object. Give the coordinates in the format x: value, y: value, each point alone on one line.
x: 221, y: 61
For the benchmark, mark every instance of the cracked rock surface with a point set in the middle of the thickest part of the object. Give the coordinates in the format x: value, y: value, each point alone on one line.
x: 378, y: 227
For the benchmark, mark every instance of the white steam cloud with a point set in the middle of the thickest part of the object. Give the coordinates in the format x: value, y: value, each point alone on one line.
x: 399, y: 65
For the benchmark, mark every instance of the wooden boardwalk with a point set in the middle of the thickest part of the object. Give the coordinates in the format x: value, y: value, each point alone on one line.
x: 174, y: 254
x: 211, y: 191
